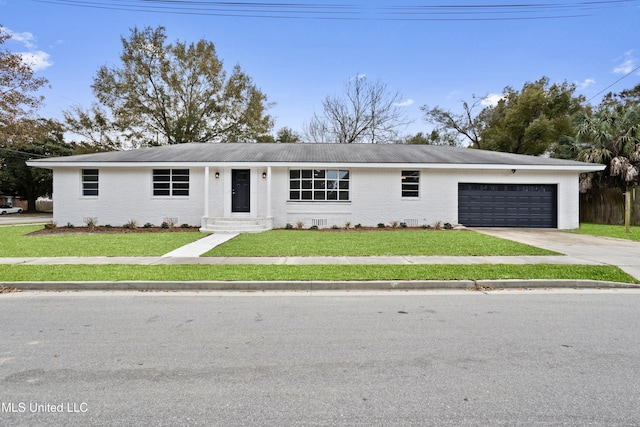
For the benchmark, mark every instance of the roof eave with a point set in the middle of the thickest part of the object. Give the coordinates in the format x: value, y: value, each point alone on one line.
x: 580, y: 167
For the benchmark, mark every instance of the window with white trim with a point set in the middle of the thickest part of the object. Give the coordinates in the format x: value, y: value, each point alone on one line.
x: 410, y: 183
x: 171, y: 182
x: 90, y: 182
x: 319, y: 185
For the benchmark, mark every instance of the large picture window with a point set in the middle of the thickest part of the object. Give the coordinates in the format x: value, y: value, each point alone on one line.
x: 89, y: 182
x: 410, y: 183
x: 319, y: 184
x: 171, y: 182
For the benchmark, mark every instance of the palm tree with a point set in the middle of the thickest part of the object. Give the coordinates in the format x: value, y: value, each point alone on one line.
x: 613, y: 135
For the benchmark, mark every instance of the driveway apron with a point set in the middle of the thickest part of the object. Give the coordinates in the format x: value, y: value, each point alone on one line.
x: 621, y: 253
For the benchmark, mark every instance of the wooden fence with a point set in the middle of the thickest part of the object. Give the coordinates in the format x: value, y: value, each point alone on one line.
x: 606, y: 206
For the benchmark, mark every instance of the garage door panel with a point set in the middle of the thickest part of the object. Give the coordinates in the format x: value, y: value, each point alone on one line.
x: 507, y: 205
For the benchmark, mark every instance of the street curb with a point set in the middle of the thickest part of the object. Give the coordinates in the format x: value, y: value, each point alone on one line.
x: 309, y: 286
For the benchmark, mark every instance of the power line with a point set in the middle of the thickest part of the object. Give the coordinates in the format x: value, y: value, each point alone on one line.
x: 339, y: 11
x: 612, y: 84
x: 23, y: 152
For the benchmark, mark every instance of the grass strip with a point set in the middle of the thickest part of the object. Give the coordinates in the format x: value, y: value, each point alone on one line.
x: 371, y: 243
x: 14, y: 242
x: 55, y: 273
x: 607, y: 230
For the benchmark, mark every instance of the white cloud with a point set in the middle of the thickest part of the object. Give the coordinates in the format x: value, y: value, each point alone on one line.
x: 627, y: 65
x: 492, y: 99
x: 37, y: 60
x: 406, y: 103
x: 585, y: 84
x: 25, y: 38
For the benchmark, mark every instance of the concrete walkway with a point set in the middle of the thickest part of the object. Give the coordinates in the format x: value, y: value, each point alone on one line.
x: 200, y: 246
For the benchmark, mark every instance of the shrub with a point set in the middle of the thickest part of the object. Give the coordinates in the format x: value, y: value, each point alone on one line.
x: 288, y: 227
x: 91, y: 222
x: 381, y: 225
x: 313, y: 227
x: 185, y: 225
x: 108, y: 226
x: 403, y: 225
x: 50, y: 225
x: 147, y: 225
x: 131, y: 225
x: 347, y: 225
x: 69, y: 225
x: 171, y: 222
x: 448, y: 226
x: 299, y: 225
x: 358, y: 226
x: 164, y: 224
x: 335, y: 227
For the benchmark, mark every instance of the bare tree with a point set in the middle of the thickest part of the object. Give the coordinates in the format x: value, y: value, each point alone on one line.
x: 464, y: 127
x: 367, y: 113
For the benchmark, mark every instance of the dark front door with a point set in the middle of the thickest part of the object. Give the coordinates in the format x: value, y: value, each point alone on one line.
x: 240, y: 190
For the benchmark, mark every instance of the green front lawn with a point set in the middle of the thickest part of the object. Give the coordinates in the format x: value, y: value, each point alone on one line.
x: 606, y: 230
x: 371, y: 243
x: 14, y: 242
x: 44, y: 273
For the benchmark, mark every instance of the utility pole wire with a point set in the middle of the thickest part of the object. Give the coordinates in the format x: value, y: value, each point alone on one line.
x: 612, y: 84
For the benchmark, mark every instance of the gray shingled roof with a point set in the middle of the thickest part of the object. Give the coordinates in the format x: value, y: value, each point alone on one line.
x: 309, y: 153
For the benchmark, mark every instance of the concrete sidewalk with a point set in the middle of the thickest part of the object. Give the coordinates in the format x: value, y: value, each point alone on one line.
x: 316, y: 260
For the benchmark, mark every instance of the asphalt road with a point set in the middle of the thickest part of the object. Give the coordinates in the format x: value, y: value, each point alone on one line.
x: 463, y: 358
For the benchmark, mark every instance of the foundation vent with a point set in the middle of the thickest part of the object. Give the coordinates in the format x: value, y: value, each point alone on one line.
x: 319, y: 222
x: 413, y: 222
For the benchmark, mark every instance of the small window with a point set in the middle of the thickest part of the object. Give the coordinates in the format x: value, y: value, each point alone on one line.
x: 410, y: 183
x: 89, y: 182
x: 171, y: 182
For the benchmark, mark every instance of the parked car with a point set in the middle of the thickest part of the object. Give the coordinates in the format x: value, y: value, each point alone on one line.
x: 8, y: 209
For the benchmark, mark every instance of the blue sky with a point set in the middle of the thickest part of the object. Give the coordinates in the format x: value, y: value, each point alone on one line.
x: 432, y: 52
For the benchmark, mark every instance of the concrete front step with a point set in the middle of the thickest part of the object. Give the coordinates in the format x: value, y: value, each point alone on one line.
x: 236, y: 225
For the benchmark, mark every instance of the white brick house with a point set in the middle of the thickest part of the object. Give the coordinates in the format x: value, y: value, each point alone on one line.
x: 254, y: 187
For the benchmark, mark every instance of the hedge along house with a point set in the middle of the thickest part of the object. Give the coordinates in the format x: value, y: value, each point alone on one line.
x: 255, y: 187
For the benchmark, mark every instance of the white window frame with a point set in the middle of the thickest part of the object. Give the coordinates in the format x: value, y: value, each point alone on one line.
x: 410, y: 183
x: 90, y: 182
x: 319, y: 185
x: 170, y: 182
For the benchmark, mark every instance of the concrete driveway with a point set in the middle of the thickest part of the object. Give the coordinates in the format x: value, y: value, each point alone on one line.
x: 603, y: 250
x: 25, y: 218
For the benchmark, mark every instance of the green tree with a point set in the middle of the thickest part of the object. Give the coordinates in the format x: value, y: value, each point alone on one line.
x: 624, y: 97
x: 16, y: 178
x: 18, y: 93
x: 286, y: 134
x: 613, y: 137
x: 529, y: 121
x: 94, y: 127
x: 174, y: 93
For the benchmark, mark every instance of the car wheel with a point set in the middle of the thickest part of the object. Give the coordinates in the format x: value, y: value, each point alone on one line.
x: 3, y: 213
x: 19, y: 211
